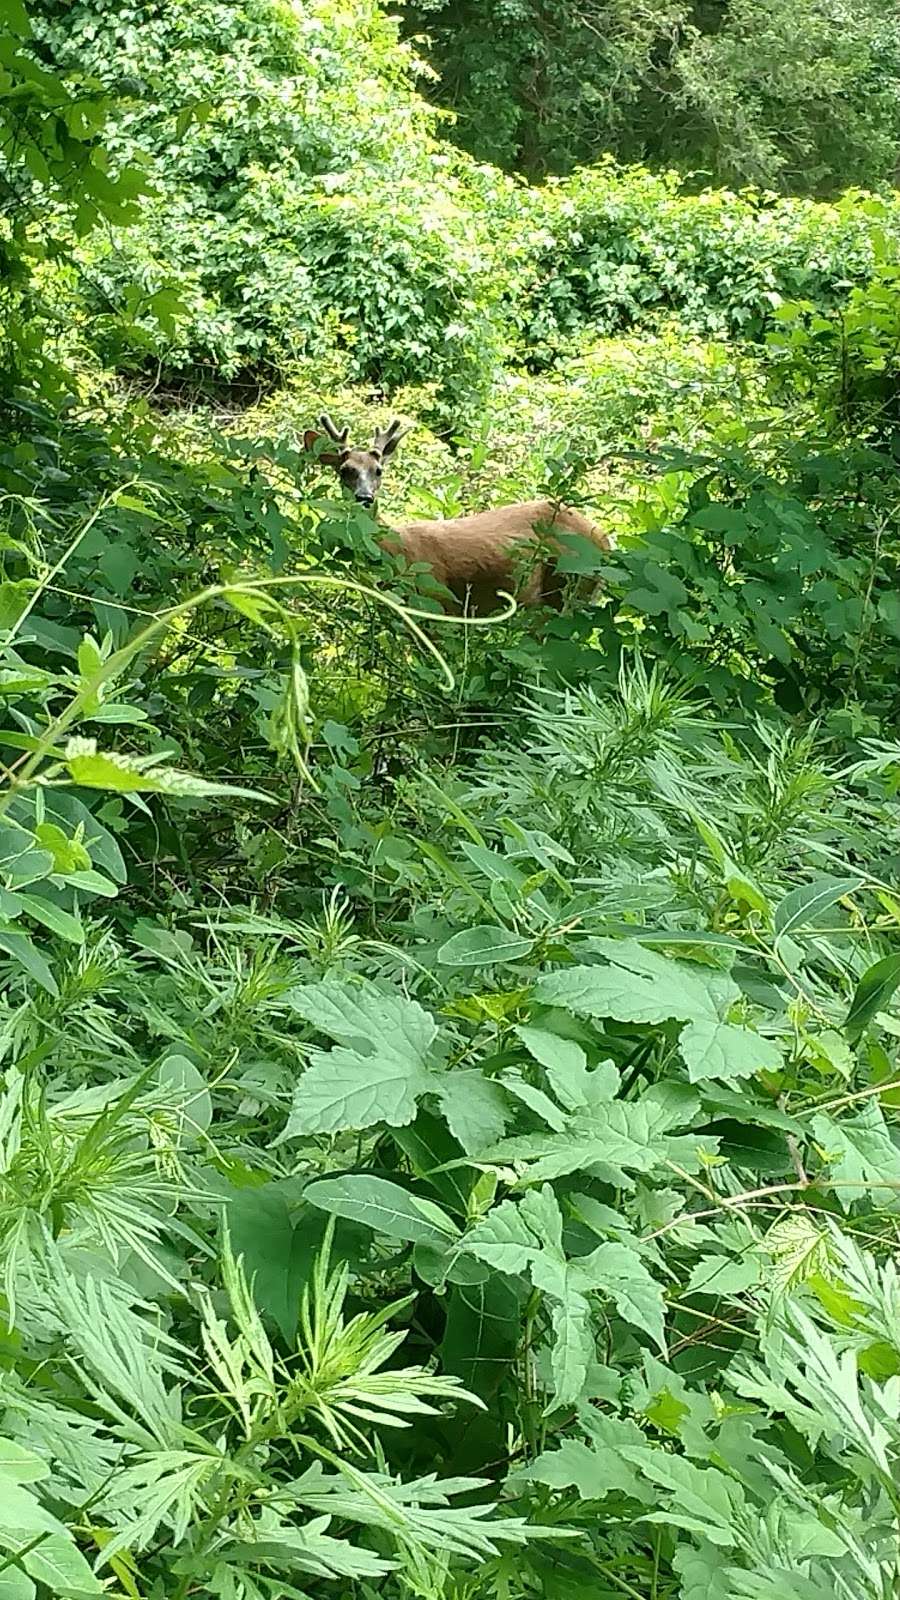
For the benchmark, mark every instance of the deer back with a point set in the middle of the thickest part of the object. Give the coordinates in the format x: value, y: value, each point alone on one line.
x: 475, y: 557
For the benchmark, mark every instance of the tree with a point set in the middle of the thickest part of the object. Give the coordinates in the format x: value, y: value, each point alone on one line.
x: 802, y: 98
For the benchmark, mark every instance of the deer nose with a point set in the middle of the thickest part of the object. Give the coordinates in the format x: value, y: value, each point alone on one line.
x: 366, y: 499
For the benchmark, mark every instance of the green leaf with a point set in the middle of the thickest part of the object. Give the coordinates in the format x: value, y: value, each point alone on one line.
x: 58, y: 1563
x: 611, y: 1143
x: 16, y: 17
x: 22, y: 1515
x: 482, y: 1333
x: 476, y: 1109
x: 596, y: 1469
x: 860, y: 1151
x: 93, y: 769
x: 22, y: 950
x: 612, y: 991
x: 194, y: 1100
x: 21, y: 1465
x: 482, y: 946
x: 384, y: 1207
x: 378, y: 1075
x: 278, y: 1251
x: 617, y: 1270
x: 15, y: 1584
x: 703, y: 1501
x: 804, y: 906
x: 60, y: 922
x: 14, y: 595
x: 724, y: 1275
x: 713, y: 1049
x: 873, y: 992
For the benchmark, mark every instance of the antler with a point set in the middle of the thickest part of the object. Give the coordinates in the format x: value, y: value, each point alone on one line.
x: 339, y: 436
x: 386, y: 443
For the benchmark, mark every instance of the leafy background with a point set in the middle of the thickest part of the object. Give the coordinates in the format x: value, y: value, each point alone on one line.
x: 448, y: 1134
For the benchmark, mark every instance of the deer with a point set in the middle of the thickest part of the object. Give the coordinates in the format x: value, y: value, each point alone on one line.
x: 473, y: 558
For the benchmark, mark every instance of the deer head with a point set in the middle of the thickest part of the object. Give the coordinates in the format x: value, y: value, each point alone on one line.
x: 359, y: 470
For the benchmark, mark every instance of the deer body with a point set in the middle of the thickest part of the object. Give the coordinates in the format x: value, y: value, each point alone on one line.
x: 474, y: 557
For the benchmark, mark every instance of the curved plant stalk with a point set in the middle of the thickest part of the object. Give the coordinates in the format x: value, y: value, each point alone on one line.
x: 257, y: 600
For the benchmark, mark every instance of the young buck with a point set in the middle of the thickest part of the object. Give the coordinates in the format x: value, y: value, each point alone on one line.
x: 474, y: 557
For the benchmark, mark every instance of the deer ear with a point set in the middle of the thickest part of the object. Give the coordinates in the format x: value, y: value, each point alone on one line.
x: 328, y: 458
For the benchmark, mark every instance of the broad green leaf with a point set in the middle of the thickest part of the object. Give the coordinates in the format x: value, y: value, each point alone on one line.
x: 705, y: 1572
x: 476, y: 1107
x: 384, y: 1207
x: 873, y: 992
x: 61, y: 922
x: 574, y: 1346
x: 58, y: 1563
x: 612, y: 991
x: 595, y: 1469
x: 803, y: 907
x: 703, y: 1500
x: 503, y: 1239
x: 21, y: 1465
x: 195, y: 1109
x: 22, y: 1516
x: 724, y: 1275
x: 483, y: 945
x: 14, y: 594
x: 616, y: 1270
x: 860, y: 1152
x: 15, y: 1584
x: 613, y: 1142
x: 482, y: 1332
x: 378, y: 1075
x: 713, y: 1049
x: 26, y: 954
x: 566, y: 1066
x: 278, y: 1251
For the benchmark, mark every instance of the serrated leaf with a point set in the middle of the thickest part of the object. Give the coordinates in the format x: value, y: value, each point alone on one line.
x: 612, y: 1142
x: 713, y: 1049
x: 476, y: 1109
x: 595, y: 1469
x: 384, y: 1207
x: 566, y: 1066
x: 724, y: 1275
x: 703, y: 1500
x: 860, y: 1151
x: 482, y: 946
x: 617, y: 1271
x: 378, y: 1075
x: 799, y: 1249
x: 609, y: 991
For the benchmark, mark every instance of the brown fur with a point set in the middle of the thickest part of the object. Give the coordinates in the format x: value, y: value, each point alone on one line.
x: 473, y: 557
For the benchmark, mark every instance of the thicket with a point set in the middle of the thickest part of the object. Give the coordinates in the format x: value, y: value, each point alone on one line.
x: 277, y: 227
x: 448, y: 1123
x: 801, y: 99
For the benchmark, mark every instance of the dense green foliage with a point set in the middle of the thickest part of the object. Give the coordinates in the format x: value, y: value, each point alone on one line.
x: 800, y: 98
x: 449, y: 1073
